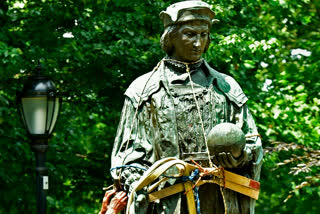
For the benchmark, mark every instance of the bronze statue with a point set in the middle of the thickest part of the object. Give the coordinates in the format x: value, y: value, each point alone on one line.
x: 170, y: 111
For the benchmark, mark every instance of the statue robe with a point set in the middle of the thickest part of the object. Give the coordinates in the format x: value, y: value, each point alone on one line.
x: 168, y: 125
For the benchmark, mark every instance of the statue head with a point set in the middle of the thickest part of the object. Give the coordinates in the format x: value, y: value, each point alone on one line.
x: 187, y: 30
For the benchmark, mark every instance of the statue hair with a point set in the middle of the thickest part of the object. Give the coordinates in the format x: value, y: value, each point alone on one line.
x: 170, y: 33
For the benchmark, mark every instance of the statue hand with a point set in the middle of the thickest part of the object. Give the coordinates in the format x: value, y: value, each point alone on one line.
x: 227, y: 160
x: 130, y: 179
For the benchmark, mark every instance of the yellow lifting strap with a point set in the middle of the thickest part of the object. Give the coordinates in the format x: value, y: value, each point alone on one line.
x: 219, y: 176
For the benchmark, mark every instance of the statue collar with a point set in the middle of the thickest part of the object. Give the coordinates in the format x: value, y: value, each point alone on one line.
x: 143, y: 87
x: 181, y: 67
x: 176, y: 71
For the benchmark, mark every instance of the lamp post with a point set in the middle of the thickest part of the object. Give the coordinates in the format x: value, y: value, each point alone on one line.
x: 39, y: 105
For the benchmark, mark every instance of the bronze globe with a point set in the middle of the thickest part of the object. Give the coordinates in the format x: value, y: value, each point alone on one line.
x: 226, y: 137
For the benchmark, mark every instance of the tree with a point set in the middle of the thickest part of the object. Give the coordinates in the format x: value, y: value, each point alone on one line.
x: 94, y: 49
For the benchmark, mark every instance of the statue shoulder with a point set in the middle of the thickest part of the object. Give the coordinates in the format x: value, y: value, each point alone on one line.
x: 229, y: 87
x: 143, y: 87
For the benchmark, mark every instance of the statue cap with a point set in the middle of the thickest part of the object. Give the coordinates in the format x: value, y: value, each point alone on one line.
x: 187, y: 11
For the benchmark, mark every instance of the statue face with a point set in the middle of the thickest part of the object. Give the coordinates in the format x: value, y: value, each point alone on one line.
x: 190, y: 41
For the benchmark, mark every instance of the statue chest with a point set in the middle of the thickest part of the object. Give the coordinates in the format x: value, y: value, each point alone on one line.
x: 178, y: 116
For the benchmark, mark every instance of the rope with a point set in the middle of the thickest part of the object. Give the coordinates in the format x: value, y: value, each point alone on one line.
x: 197, y: 104
x: 202, y: 125
x: 224, y: 200
x: 127, y: 166
x: 200, y: 117
x: 222, y: 194
x: 194, y: 175
x: 196, y: 190
x: 141, y: 168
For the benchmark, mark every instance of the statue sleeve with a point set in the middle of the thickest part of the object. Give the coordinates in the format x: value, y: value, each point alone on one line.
x: 132, y: 146
x: 242, y: 117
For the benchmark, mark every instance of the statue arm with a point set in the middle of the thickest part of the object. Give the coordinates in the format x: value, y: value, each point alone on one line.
x: 253, y: 149
x: 133, y: 148
x: 251, y: 157
x: 253, y: 142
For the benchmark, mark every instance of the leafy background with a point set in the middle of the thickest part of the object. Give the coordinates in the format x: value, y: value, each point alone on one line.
x: 93, y: 49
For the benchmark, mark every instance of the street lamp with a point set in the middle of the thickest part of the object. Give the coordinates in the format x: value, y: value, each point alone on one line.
x: 39, y: 105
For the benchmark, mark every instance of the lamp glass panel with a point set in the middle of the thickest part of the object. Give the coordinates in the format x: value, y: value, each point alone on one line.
x: 53, y: 110
x: 35, y: 112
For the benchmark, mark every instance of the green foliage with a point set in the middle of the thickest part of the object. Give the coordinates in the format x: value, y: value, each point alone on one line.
x: 94, y: 49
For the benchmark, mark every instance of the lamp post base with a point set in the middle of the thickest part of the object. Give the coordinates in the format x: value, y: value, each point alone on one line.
x: 40, y: 147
